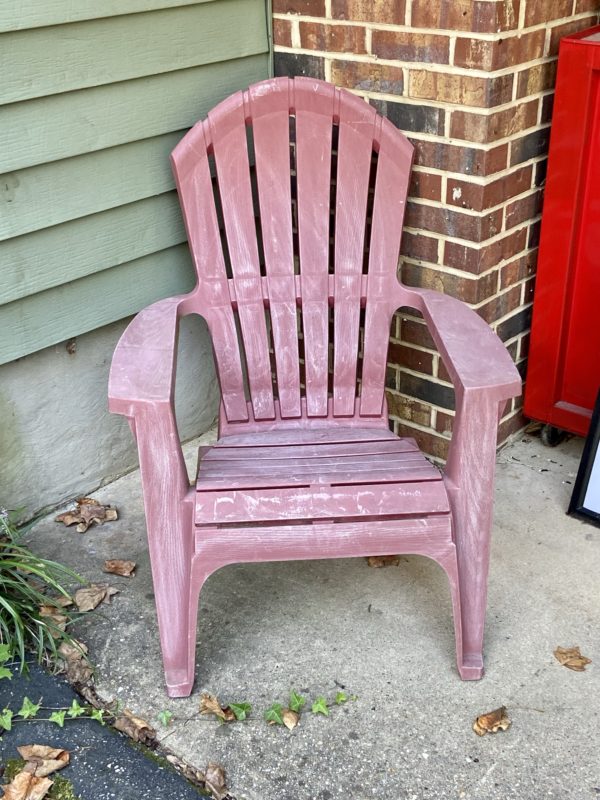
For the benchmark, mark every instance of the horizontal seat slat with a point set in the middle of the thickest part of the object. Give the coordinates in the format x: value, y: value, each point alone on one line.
x: 332, y: 478
x: 428, y: 535
x: 362, y: 463
x: 321, y: 451
x: 332, y: 434
x: 286, y: 504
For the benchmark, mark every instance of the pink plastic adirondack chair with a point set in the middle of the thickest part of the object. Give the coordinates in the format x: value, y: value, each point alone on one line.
x: 305, y: 465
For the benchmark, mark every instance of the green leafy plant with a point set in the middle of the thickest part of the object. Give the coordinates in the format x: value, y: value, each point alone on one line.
x: 29, y: 712
x: 320, y: 707
x: 28, y: 709
x: 241, y: 710
x: 341, y: 697
x: 30, y: 619
x: 297, y: 702
x: 164, y: 717
x: 274, y: 714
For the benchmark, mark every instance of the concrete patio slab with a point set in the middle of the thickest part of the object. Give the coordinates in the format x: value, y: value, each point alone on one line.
x: 384, y: 635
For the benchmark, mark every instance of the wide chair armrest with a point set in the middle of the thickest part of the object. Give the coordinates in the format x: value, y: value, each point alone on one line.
x: 143, y: 365
x: 473, y: 354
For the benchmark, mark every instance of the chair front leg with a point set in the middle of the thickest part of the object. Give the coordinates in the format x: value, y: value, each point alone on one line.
x: 168, y: 504
x: 469, y: 477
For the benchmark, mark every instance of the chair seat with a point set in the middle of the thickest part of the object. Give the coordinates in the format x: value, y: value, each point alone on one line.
x: 328, y: 474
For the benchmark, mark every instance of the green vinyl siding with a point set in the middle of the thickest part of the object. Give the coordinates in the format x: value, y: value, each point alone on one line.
x: 91, y: 106
x: 34, y: 132
x: 18, y: 15
x: 43, y: 318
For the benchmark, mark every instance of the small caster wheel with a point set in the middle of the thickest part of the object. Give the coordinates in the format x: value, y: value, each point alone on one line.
x: 551, y: 436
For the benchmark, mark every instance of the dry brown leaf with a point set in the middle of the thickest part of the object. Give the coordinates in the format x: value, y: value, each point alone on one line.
x: 69, y: 518
x: 116, y: 566
x: 61, y: 601
x: 88, y: 511
x: 135, y: 727
x: 492, y: 722
x: 43, y: 760
x: 110, y: 592
x: 383, y: 561
x: 91, y: 596
x: 209, y: 704
x: 290, y: 718
x: 51, y: 612
x: 214, y: 778
x: 75, y: 664
x: 571, y: 658
x: 26, y: 786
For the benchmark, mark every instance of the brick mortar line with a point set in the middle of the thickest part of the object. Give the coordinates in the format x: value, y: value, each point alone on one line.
x: 482, y: 36
x: 516, y: 339
x: 470, y: 276
x: 506, y: 290
x: 469, y: 211
x: 442, y: 69
x: 429, y: 351
x: 453, y: 271
x: 459, y: 175
x: 433, y: 407
x: 418, y: 427
x: 437, y: 138
x: 451, y: 107
x: 477, y: 180
x: 429, y: 377
x: 404, y: 343
x: 476, y: 245
x: 510, y: 314
x: 494, y: 295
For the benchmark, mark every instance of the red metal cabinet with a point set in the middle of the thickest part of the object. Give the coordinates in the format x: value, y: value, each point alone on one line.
x: 564, y: 361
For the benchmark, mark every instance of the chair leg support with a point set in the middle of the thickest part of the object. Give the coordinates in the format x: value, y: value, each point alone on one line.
x: 176, y: 598
x: 469, y: 478
x: 168, y: 505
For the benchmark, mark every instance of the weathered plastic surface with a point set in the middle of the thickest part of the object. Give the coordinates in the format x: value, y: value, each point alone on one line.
x: 305, y: 458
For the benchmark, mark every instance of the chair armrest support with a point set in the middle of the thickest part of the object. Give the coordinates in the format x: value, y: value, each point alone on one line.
x: 143, y: 365
x: 474, y: 356
x: 141, y: 385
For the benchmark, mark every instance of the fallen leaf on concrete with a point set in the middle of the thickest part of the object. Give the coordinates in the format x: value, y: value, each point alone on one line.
x: 571, y: 658
x: 290, y: 718
x: 135, y: 727
x: 214, y: 778
x: 26, y: 786
x: 209, y: 704
x: 68, y: 518
x: 74, y: 661
x: 383, y: 561
x: 52, y: 613
x: 61, y: 601
x: 43, y: 760
x: 88, y: 512
x: 492, y: 722
x: 91, y: 596
x: 116, y: 566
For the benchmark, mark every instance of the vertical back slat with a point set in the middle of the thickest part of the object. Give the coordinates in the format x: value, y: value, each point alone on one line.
x: 228, y: 134
x: 391, y: 188
x: 192, y: 175
x: 314, y: 106
x: 355, y: 150
x: 270, y: 108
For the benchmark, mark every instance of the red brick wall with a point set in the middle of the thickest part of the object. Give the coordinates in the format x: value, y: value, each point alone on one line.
x: 471, y: 83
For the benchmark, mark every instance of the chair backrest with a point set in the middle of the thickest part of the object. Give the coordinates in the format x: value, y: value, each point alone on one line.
x: 293, y: 194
